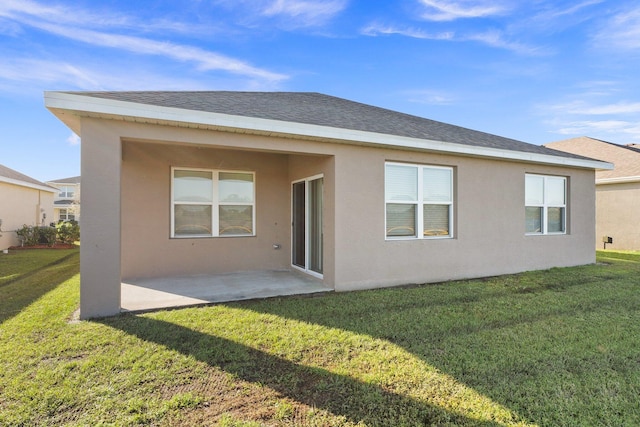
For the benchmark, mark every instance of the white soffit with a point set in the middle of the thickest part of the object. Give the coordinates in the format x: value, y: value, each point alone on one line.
x: 88, y: 106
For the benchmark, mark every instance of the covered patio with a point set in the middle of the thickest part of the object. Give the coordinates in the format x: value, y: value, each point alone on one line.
x: 164, y: 292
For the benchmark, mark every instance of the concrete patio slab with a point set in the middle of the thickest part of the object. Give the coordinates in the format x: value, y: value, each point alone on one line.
x: 154, y: 293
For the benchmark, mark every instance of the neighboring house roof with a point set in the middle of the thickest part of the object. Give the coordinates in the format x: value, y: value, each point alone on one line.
x: 299, y: 115
x: 625, y: 158
x: 72, y: 180
x: 11, y: 176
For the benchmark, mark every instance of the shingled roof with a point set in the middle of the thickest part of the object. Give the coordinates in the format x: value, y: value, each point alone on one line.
x: 323, y: 110
x: 626, y: 159
x: 301, y: 115
x: 14, y: 177
x: 70, y: 180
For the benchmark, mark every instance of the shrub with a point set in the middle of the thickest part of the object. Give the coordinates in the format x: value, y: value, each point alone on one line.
x: 32, y: 235
x: 68, y: 232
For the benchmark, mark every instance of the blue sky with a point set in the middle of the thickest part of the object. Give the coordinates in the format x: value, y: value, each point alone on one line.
x: 536, y: 71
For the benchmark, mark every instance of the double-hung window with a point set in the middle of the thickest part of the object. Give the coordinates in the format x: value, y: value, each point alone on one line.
x: 211, y: 203
x: 418, y: 201
x: 545, y: 204
x: 66, y: 215
x: 66, y: 192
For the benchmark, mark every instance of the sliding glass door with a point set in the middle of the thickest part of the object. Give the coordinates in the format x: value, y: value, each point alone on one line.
x: 307, y: 227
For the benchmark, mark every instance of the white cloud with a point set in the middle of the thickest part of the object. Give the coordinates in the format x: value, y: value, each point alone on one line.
x: 581, y: 107
x: 204, y: 60
x: 617, y: 108
x: 47, y: 72
x: 589, y: 127
x: 571, y: 10
x: 431, y: 97
x: 495, y: 38
x: 446, y: 10
x: 309, y: 13
x: 288, y: 14
x: 618, y: 131
x: 622, y: 31
x: 379, y: 29
x: 73, y: 24
x: 590, y: 116
x: 492, y: 38
x: 31, y: 76
x: 73, y: 139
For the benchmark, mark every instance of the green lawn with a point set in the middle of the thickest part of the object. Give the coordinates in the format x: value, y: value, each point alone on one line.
x: 553, y: 348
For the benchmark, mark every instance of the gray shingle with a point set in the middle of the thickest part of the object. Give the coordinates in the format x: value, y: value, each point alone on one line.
x: 71, y: 180
x: 17, y: 176
x: 324, y: 110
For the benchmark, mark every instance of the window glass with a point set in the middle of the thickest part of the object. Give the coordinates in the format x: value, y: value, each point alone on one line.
x: 235, y: 220
x: 555, y: 191
x: 235, y: 187
x: 192, y: 220
x: 545, y: 204
x: 555, y: 220
x: 436, y: 220
x: 419, y: 201
x: 401, y: 219
x: 436, y: 185
x: 534, y: 190
x: 533, y: 219
x: 192, y: 186
x: 401, y: 183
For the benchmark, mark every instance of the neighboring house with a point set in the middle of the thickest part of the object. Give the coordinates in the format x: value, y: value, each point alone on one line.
x: 198, y: 183
x: 617, y: 190
x: 66, y: 204
x: 23, y: 200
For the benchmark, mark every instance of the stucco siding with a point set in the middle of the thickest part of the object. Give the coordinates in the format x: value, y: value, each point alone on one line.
x: 147, y: 247
x: 101, y: 158
x: 618, y: 210
x: 22, y: 205
x: 135, y: 160
x: 489, y: 235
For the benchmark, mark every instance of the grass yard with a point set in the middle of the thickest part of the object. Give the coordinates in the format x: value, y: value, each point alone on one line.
x: 552, y: 348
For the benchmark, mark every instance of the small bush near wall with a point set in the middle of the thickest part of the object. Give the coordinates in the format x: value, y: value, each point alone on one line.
x: 68, y: 232
x: 31, y: 235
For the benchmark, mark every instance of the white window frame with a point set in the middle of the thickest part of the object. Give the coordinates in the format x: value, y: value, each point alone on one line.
x: 215, y: 204
x: 66, y: 212
x: 546, y: 205
x: 64, y: 192
x: 419, y: 226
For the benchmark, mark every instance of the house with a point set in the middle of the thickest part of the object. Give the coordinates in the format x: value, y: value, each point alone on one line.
x: 355, y: 196
x: 66, y: 203
x: 617, y: 190
x: 23, y: 201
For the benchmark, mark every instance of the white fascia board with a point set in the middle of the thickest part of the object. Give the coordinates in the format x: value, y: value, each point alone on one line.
x: 130, y: 110
x: 27, y: 184
x: 621, y: 180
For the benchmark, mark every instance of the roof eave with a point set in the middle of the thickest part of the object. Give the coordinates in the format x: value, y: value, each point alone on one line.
x: 69, y: 108
x: 619, y: 180
x: 28, y: 184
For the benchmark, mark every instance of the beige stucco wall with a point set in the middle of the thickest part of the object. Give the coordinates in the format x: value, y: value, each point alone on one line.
x: 489, y: 212
x: 74, y: 207
x: 489, y: 236
x: 147, y: 248
x: 617, y: 213
x: 22, y: 205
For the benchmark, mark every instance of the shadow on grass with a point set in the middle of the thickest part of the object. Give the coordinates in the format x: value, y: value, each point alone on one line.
x: 316, y: 387
x: 503, y: 357
x: 26, y: 288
